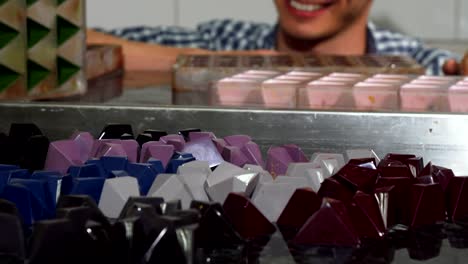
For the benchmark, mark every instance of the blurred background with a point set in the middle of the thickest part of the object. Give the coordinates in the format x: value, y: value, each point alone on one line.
x: 441, y: 23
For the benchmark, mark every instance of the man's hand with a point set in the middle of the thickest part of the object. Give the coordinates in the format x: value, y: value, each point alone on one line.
x: 452, y: 67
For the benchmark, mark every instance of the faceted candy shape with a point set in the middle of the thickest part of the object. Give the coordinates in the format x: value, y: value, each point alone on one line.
x: 362, y: 154
x: 303, y: 204
x: 115, y: 131
x: 366, y: 217
x: 220, y: 144
x: 23, y: 200
x: 272, y: 198
x: 175, y: 140
x: 246, y: 218
x: 61, y: 155
x: 330, y: 162
x: 329, y: 226
x: 457, y: 199
x: 199, y: 135
x: 357, y: 178
x: 176, y: 162
x: 443, y: 176
x: 157, y: 151
x: 296, y: 153
x: 144, y: 173
x: 186, y: 132
x: 143, y: 138
x: 237, y: 140
x: 369, y: 163
x: 107, y: 149
x: 133, y: 202
x: 234, y: 155
x: 427, y: 205
x: 278, y: 161
x: 115, y: 194
x: 331, y: 188
x: 221, y: 181
x: 19, y: 174
x: 92, y: 187
x: 53, y: 241
x: 12, y: 239
x: 398, y: 208
x: 215, y: 229
x: 205, y: 150
x: 194, y: 175
x: 85, y: 141
x: 87, y: 171
x: 34, y: 153
x: 131, y: 148
x: 253, y: 154
x: 155, y: 134
x: 114, y: 163
x: 44, y: 191
x: 170, y: 187
x: 394, y: 169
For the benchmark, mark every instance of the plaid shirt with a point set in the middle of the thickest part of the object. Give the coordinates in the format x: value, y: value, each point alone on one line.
x: 235, y: 35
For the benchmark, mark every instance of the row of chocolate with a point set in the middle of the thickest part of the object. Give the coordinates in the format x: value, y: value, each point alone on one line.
x: 339, y: 90
x: 42, y: 49
x: 347, y: 203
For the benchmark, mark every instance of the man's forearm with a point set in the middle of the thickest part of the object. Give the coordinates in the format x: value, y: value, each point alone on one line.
x: 140, y: 56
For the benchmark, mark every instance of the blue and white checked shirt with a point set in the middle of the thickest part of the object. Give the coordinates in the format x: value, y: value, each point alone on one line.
x: 236, y: 35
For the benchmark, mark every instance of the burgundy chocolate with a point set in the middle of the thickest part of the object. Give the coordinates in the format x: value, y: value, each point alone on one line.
x: 304, y: 203
x: 331, y: 188
x: 427, y: 204
x: 366, y: 216
x: 457, y: 199
x: 394, y: 168
x: 357, y: 178
x: 329, y: 226
x: 248, y: 221
x: 398, y: 197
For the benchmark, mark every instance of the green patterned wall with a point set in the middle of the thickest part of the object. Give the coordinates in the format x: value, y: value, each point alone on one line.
x: 42, y: 47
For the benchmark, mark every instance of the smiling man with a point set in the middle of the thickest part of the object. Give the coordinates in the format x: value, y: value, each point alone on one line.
x: 304, y: 26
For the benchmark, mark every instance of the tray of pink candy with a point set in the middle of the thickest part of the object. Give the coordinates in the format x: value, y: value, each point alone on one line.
x: 343, y: 91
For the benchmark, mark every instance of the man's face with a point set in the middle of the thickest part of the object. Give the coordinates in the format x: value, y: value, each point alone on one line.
x: 317, y: 19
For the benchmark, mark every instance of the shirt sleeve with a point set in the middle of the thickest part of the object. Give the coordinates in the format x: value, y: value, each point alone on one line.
x: 392, y: 43
x: 212, y: 35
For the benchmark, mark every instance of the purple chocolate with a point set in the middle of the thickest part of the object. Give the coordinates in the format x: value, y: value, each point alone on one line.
x: 178, y: 144
x: 220, y: 144
x: 160, y: 152
x: 130, y: 147
x: 296, y: 153
x: 237, y: 140
x: 203, y: 149
x: 278, y: 161
x: 175, y: 137
x: 61, y: 155
x: 199, y: 135
x: 144, y: 154
x: 235, y: 156
x: 86, y: 141
x: 111, y: 150
x: 252, y: 151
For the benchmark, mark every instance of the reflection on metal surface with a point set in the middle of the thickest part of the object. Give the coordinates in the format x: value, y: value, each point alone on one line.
x: 382, y: 199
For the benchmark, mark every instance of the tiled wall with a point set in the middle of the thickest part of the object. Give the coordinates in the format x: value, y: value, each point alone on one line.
x: 429, y: 19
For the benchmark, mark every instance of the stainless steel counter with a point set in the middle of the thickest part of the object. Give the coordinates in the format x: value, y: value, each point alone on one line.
x: 440, y: 138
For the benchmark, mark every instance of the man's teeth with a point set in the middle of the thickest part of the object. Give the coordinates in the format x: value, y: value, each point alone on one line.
x: 305, y: 7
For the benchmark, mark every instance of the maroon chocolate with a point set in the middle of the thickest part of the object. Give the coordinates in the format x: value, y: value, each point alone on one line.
x: 442, y: 176
x: 457, y: 199
x: 398, y: 197
x: 394, y: 168
x: 426, y: 205
x: 357, y: 178
x: 304, y: 203
x: 248, y: 221
x: 331, y: 188
x: 329, y: 226
x: 366, y: 216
